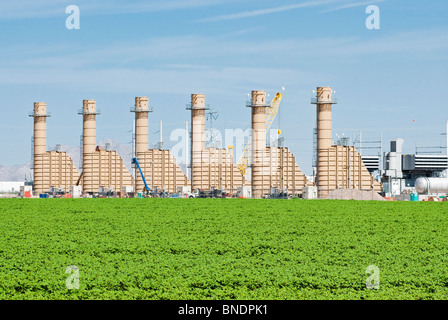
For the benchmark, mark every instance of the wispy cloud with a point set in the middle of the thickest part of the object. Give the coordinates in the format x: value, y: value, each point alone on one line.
x: 353, y: 5
x: 195, y: 62
x: 195, y: 52
x: 259, y: 12
x: 47, y: 8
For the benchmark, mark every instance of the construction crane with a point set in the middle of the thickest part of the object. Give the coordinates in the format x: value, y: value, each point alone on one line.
x: 135, y: 161
x: 271, y: 113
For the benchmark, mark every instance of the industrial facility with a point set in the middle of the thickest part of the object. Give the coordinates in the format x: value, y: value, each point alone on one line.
x: 264, y: 170
x: 338, y: 167
x: 407, y: 175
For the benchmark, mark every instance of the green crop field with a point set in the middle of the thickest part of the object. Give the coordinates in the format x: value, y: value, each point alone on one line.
x: 222, y: 249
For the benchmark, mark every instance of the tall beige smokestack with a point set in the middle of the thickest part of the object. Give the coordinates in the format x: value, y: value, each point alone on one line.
x: 258, y: 105
x: 89, y: 126
x: 141, y: 137
x: 323, y: 101
x: 40, y: 143
x: 89, y: 113
x: 197, y: 108
x: 40, y: 127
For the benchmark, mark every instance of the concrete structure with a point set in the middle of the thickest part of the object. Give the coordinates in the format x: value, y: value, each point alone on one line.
x: 271, y: 167
x: 354, y: 194
x: 341, y: 167
x: 161, y: 171
x: 278, y: 168
x: 40, y: 127
x: 89, y: 127
x: 324, y: 102
x: 100, y: 168
x: 141, y: 111
x: 40, y: 143
x: 197, y: 108
x: 210, y: 167
x: 51, y: 168
x: 54, y: 169
x: 260, y: 167
x: 338, y: 167
x: 106, y: 169
x: 216, y: 169
x: 159, y: 166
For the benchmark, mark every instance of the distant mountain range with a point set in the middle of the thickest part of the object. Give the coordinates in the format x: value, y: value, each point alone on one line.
x: 16, y: 173
x: 24, y: 172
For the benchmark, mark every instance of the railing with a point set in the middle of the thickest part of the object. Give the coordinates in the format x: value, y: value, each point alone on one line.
x: 332, y: 101
x: 33, y: 114
x: 81, y: 111
x: 249, y: 104
x: 189, y: 106
x: 135, y: 109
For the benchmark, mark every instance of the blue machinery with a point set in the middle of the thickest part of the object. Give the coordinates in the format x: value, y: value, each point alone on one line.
x: 135, y: 161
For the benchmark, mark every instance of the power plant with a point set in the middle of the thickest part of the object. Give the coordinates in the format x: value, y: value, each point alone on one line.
x: 264, y: 170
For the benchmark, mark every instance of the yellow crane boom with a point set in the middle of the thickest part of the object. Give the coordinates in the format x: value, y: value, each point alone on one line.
x: 271, y: 113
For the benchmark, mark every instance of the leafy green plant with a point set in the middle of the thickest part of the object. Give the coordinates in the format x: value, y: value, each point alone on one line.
x: 221, y: 249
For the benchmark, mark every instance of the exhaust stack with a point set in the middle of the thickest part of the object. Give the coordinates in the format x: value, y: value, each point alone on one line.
x: 258, y: 106
x: 89, y: 114
x: 141, y: 111
x: 39, y: 143
x: 197, y: 108
x: 40, y: 127
x: 89, y: 126
x: 323, y: 101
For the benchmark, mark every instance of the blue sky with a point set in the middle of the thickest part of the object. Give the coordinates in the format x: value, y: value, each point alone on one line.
x: 384, y: 79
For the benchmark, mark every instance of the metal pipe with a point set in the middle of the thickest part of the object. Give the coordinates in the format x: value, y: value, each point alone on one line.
x: 425, y: 185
